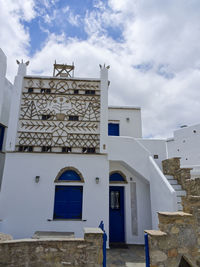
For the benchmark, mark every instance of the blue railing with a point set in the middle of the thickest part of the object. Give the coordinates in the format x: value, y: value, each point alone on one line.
x: 101, y: 225
x: 147, y: 250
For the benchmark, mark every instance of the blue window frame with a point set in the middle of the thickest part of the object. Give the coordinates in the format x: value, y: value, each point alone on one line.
x: 69, y: 175
x: 113, y: 129
x: 68, y: 202
x: 2, y: 131
x: 117, y: 177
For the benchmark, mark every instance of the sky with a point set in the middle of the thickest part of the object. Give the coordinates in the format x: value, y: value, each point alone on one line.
x: 152, y: 47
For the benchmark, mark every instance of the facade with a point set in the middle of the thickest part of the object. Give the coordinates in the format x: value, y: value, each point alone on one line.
x: 72, y: 161
x: 6, y: 89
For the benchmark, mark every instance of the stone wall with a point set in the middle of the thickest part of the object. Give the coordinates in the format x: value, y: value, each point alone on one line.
x: 179, y: 236
x: 54, y: 252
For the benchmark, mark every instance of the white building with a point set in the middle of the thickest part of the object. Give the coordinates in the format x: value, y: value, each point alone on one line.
x: 63, y: 172
x: 6, y: 89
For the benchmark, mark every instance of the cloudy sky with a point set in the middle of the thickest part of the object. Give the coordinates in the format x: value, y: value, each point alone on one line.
x: 152, y: 46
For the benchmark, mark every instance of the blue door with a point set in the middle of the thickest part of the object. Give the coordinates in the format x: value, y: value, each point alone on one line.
x: 116, y: 220
x: 113, y: 129
x: 68, y: 202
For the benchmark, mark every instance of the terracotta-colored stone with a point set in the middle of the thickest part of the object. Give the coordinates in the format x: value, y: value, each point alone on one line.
x: 172, y: 253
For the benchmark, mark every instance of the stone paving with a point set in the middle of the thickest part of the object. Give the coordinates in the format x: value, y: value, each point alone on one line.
x: 133, y: 256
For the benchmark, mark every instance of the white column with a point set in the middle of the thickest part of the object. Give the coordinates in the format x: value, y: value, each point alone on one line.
x: 104, y: 110
x: 3, y: 67
x: 15, y: 107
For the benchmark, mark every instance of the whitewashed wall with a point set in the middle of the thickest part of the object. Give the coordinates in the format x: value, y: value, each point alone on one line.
x: 185, y: 144
x: 25, y: 206
x: 142, y: 201
x: 6, y: 89
x: 129, y: 119
x: 155, y: 147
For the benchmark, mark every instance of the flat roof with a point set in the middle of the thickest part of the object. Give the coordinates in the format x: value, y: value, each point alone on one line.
x: 124, y: 107
x: 61, y: 78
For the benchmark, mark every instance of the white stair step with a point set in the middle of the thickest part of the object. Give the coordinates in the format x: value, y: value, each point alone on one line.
x: 180, y: 193
x: 173, y: 182
x: 180, y: 207
x: 177, y: 187
x: 178, y: 199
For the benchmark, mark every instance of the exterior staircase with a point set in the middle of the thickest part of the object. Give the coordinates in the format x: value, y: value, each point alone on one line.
x: 178, y: 189
x: 177, y: 242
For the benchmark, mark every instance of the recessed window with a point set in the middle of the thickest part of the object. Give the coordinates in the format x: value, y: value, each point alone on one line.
x: 113, y: 129
x: 46, y: 117
x: 73, y: 118
x: 76, y: 92
x: 46, y: 149
x: 68, y: 202
x: 155, y: 156
x: 25, y: 148
x: 89, y: 150
x: 30, y: 90
x: 2, y: 132
x: 43, y: 90
x: 66, y: 149
x: 90, y: 92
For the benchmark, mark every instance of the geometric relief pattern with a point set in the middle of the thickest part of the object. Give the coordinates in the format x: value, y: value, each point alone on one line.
x: 54, y: 114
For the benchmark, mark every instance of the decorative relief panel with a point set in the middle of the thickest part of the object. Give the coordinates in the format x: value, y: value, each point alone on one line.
x: 59, y: 113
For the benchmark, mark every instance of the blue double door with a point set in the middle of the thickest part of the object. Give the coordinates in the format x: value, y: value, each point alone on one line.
x: 116, y: 214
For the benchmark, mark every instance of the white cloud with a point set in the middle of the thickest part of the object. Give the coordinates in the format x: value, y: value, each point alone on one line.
x: 156, y: 66
x: 14, y: 38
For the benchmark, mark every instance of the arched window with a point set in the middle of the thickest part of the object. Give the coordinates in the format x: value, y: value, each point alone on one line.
x: 117, y: 177
x: 68, y: 198
x: 69, y: 174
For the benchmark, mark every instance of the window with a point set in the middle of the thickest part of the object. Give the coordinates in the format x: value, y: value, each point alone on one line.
x: 73, y: 118
x: 48, y: 91
x: 113, y: 129
x: 25, y: 149
x: 68, y: 202
x: 46, y: 149
x: 30, y: 90
x: 76, y: 92
x: 66, y: 149
x: 89, y: 150
x: 117, y: 177
x: 69, y: 174
x: 90, y: 92
x: 2, y: 132
x: 155, y: 156
x: 46, y: 117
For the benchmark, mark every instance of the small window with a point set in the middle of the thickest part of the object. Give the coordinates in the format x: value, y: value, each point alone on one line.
x: 66, y: 149
x: 90, y: 92
x: 46, y: 117
x: 25, y: 148
x: 48, y: 91
x: 76, y: 92
x: 2, y: 132
x: 73, y: 118
x: 113, y: 129
x: 89, y: 150
x: 155, y: 156
x: 46, y: 149
x: 30, y: 90
x: 115, y: 200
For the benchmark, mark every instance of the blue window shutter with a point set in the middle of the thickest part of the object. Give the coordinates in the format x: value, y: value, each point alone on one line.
x: 68, y: 202
x: 113, y: 129
x: 2, y: 131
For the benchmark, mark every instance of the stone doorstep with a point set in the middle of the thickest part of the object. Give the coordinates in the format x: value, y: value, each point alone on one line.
x: 177, y: 214
x: 155, y: 233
